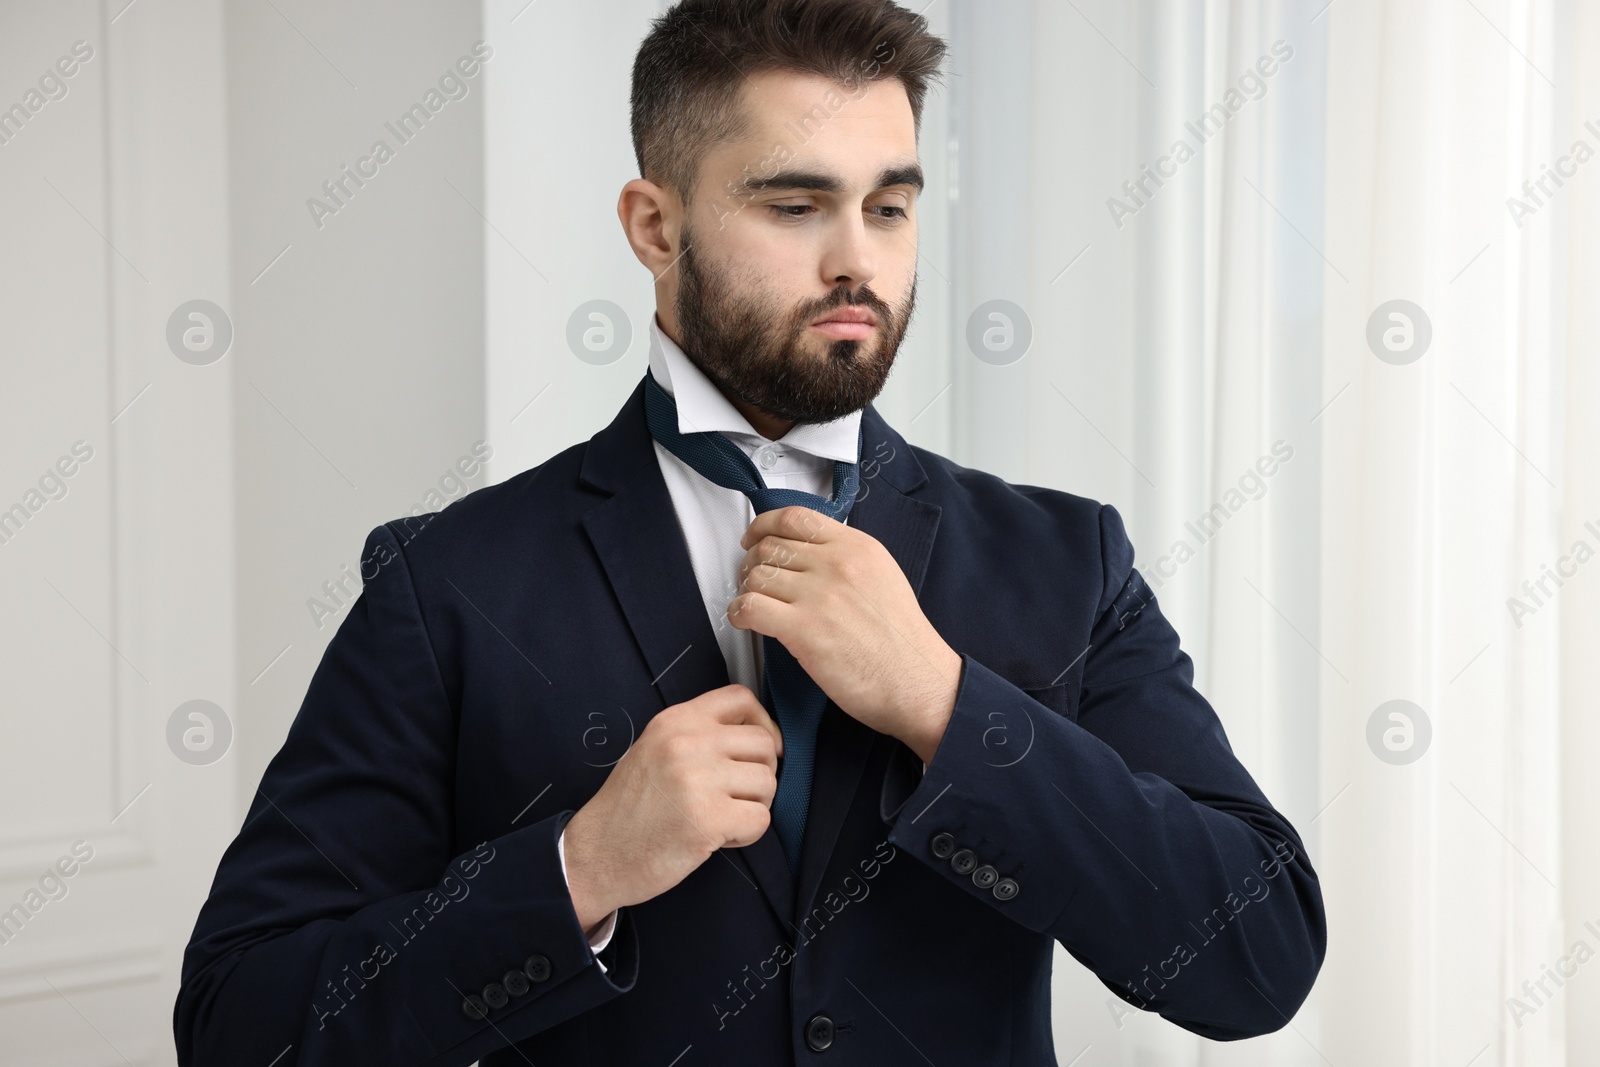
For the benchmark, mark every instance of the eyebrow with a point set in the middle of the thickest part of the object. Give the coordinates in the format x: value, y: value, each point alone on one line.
x: 903, y: 174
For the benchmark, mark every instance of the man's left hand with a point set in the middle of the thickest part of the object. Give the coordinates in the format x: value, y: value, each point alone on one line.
x: 841, y: 605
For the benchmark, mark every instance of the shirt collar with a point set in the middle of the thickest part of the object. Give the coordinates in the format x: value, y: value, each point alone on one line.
x: 702, y: 407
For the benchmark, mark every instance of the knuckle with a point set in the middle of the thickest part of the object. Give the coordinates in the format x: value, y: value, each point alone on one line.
x: 801, y: 522
x: 676, y: 748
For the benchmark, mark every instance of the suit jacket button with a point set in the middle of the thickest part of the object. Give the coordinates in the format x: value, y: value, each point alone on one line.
x: 1005, y: 889
x: 516, y: 983
x: 942, y: 845
x: 494, y: 995
x: 985, y: 876
x: 474, y: 1007
x: 819, y: 1033
x: 963, y: 861
x: 537, y: 968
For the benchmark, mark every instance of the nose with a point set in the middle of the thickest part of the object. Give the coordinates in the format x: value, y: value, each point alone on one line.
x: 848, y: 257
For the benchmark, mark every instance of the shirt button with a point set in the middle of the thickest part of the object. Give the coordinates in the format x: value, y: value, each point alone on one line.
x: 767, y: 457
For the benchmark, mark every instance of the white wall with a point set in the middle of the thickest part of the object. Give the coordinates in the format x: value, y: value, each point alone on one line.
x: 359, y: 376
x: 119, y: 594
x: 220, y: 494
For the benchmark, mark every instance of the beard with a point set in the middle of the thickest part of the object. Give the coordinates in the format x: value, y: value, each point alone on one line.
x: 755, y: 348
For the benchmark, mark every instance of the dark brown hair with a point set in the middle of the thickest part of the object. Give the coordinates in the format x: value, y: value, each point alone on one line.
x: 689, y: 73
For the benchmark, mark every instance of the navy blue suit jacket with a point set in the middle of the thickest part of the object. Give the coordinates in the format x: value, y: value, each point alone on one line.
x: 395, y: 897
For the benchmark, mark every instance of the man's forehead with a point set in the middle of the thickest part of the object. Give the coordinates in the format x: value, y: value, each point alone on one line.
x: 811, y: 132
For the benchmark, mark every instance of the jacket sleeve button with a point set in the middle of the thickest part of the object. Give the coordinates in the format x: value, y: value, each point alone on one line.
x: 537, y: 968
x: 494, y: 995
x: 963, y: 861
x: 1005, y: 889
x: 516, y: 983
x: 985, y: 876
x: 474, y: 1007
x: 942, y: 845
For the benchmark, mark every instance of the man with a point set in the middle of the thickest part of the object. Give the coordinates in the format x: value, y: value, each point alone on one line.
x: 746, y: 732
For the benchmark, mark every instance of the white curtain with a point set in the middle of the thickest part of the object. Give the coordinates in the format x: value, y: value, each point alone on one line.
x: 1448, y: 482
x: 1221, y: 316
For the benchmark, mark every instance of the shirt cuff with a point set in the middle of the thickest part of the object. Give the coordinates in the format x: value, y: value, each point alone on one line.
x: 602, y: 934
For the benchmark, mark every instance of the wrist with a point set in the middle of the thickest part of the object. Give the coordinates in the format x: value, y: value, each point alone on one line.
x: 585, y: 886
x: 928, y: 716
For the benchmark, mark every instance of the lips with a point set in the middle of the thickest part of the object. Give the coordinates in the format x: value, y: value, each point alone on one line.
x: 849, y: 314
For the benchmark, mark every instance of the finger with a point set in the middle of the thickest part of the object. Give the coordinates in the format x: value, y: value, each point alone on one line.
x: 737, y: 706
x: 753, y: 818
x: 750, y: 781
x: 775, y: 552
x: 775, y: 582
x: 794, y: 522
x: 751, y: 743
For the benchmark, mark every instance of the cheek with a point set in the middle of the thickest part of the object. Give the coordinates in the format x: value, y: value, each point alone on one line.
x: 757, y: 257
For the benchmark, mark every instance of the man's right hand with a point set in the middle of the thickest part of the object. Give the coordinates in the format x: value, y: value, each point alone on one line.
x: 701, y: 776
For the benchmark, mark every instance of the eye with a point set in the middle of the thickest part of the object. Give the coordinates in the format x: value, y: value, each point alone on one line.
x: 897, y: 212
x: 783, y: 210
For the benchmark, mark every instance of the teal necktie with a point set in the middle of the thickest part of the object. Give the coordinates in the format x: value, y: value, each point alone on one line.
x: 787, y: 692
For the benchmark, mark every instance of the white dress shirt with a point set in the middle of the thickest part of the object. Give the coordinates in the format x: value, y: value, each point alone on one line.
x: 713, y: 517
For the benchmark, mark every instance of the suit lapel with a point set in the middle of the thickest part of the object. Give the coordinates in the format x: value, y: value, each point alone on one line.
x: 640, y: 544
x: 635, y: 533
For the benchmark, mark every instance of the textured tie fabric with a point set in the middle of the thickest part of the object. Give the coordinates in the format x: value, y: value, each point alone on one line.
x: 788, y: 693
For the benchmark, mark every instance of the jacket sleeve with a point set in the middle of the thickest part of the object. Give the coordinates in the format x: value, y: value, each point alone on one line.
x: 1130, y: 833
x: 345, y: 924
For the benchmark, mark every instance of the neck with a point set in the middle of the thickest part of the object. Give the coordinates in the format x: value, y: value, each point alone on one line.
x: 766, y: 425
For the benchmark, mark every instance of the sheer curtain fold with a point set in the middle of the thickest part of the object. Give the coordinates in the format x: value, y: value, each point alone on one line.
x: 1424, y: 488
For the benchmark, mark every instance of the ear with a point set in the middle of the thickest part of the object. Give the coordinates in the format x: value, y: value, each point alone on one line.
x: 651, y: 218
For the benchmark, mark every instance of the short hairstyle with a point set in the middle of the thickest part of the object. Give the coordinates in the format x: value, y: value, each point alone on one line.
x: 689, y: 72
